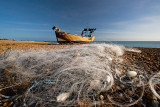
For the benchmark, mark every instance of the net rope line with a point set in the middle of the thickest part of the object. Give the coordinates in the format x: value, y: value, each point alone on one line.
x: 154, y: 81
x: 5, y: 53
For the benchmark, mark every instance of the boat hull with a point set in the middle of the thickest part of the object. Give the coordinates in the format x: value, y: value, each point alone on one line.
x: 65, y: 38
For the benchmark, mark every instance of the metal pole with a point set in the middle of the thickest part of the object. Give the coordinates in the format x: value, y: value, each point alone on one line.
x: 87, y: 29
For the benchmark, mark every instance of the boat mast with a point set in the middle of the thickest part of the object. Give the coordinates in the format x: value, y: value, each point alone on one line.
x: 87, y: 29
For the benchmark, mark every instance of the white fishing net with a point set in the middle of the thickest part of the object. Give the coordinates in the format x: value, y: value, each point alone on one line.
x: 154, y: 83
x: 79, y: 75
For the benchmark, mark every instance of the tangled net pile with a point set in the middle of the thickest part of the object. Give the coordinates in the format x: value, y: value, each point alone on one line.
x: 81, y: 75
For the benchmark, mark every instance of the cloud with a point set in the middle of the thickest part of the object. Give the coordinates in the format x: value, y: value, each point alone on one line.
x: 144, y: 28
x: 111, y: 31
x: 147, y: 21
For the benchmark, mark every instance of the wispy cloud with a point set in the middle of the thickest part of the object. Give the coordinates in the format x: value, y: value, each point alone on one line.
x: 148, y: 20
x: 144, y: 28
x: 104, y: 31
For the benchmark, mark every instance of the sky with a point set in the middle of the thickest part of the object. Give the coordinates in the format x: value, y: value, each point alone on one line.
x: 115, y: 20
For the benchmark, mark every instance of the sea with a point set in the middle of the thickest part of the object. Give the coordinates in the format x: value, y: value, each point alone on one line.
x: 146, y: 44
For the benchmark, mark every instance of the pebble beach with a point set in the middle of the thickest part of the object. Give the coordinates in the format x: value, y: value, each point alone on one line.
x: 147, y: 59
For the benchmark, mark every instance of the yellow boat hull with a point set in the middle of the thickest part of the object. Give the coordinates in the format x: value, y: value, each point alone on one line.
x: 64, y: 37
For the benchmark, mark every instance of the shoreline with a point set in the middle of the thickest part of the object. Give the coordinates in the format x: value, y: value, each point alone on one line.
x: 43, y: 44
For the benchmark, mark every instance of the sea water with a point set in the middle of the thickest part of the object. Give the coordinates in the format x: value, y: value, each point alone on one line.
x: 146, y: 44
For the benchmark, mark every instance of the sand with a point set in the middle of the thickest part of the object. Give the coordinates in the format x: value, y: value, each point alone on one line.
x: 18, y: 45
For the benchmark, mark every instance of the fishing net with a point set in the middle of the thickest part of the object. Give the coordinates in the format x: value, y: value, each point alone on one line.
x: 154, y: 83
x: 69, y: 86
x: 84, y: 75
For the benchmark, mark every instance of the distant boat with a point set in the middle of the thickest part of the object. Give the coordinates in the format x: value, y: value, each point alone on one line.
x: 65, y: 38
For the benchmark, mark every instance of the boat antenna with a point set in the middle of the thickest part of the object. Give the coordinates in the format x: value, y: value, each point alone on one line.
x: 87, y: 29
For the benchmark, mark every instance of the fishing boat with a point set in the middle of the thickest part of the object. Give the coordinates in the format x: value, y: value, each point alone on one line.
x: 65, y: 38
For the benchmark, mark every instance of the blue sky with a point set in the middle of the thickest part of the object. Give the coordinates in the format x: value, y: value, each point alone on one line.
x: 115, y: 20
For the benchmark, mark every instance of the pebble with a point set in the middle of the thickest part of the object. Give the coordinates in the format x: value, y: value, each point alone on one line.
x: 101, y: 97
x: 62, y: 97
x: 131, y: 73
